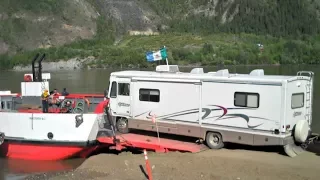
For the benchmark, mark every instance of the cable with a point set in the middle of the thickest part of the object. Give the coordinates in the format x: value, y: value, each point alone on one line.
x: 113, y: 126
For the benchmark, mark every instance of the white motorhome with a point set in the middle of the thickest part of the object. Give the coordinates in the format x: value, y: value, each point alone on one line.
x: 218, y: 107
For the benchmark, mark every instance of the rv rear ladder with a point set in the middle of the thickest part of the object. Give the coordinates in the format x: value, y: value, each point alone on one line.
x: 308, y: 104
x: 309, y: 91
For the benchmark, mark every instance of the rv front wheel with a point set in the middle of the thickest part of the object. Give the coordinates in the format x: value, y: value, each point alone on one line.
x: 122, y: 125
x: 214, y: 140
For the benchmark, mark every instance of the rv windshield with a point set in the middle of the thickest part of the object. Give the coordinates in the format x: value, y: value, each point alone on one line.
x: 113, y: 90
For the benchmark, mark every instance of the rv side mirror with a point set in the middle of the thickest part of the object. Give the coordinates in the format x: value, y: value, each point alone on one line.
x: 106, y: 93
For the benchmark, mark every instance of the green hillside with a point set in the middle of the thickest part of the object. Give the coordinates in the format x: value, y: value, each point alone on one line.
x: 289, y: 18
x: 206, y: 32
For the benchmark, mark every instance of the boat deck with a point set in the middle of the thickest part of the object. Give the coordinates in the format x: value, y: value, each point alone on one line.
x: 79, y: 103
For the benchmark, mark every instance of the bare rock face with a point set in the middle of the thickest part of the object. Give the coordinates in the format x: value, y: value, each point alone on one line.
x: 78, y: 22
x: 131, y: 16
x: 70, y: 64
x: 25, y: 28
x: 3, y: 47
x: 74, y: 20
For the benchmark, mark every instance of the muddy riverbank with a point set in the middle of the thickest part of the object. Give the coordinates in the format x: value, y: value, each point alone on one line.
x: 234, y: 164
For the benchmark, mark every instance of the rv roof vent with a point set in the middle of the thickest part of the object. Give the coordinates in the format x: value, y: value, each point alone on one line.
x: 222, y: 72
x: 197, y: 71
x: 167, y: 68
x: 257, y: 72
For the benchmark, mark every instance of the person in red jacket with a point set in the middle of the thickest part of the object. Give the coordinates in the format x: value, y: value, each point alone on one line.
x: 101, y: 106
x: 54, y: 97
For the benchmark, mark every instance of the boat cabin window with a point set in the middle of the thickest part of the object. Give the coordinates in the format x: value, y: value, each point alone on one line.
x: 243, y: 99
x: 297, y: 100
x: 6, y: 104
x: 151, y: 95
x: 113, y: 93
x: 9, y: 104
x: 124, y: 89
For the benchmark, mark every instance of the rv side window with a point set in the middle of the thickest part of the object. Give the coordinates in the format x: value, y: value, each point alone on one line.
x: 297, y: 100
x: 242, y: 99
x: 124, y: 89
x: 2, y: 105
x: 113, y: 93
x: 152, y: 95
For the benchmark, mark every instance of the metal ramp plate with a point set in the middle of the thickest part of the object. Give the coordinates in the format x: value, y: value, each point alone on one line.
x: 150, y: 143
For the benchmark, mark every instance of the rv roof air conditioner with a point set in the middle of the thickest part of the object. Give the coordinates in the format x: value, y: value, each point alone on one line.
x: 257, y: 72
x: 164, y: 68
x: 222, y: 72
x: 197, y: 71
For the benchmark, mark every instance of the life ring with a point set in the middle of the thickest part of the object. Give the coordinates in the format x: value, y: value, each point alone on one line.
x: 66, y: 103
x: 27, y: 78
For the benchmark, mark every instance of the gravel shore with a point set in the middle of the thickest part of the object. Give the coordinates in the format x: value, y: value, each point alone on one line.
x: 223, y: 164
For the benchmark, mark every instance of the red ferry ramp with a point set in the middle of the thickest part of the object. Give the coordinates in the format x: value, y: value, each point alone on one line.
x: 142, y: 141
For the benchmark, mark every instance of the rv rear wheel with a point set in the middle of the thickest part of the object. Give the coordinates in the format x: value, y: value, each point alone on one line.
x: 122, y: 125
x: 214, y: 140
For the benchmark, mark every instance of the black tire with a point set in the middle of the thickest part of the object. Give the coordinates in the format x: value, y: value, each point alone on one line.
x: 214, y: 140
x: 122, y: 125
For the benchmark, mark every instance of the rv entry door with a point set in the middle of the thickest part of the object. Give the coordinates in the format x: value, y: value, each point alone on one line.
x: 124, y: 97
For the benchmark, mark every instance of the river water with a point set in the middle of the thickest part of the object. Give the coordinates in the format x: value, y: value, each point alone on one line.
x: 96, y: 81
